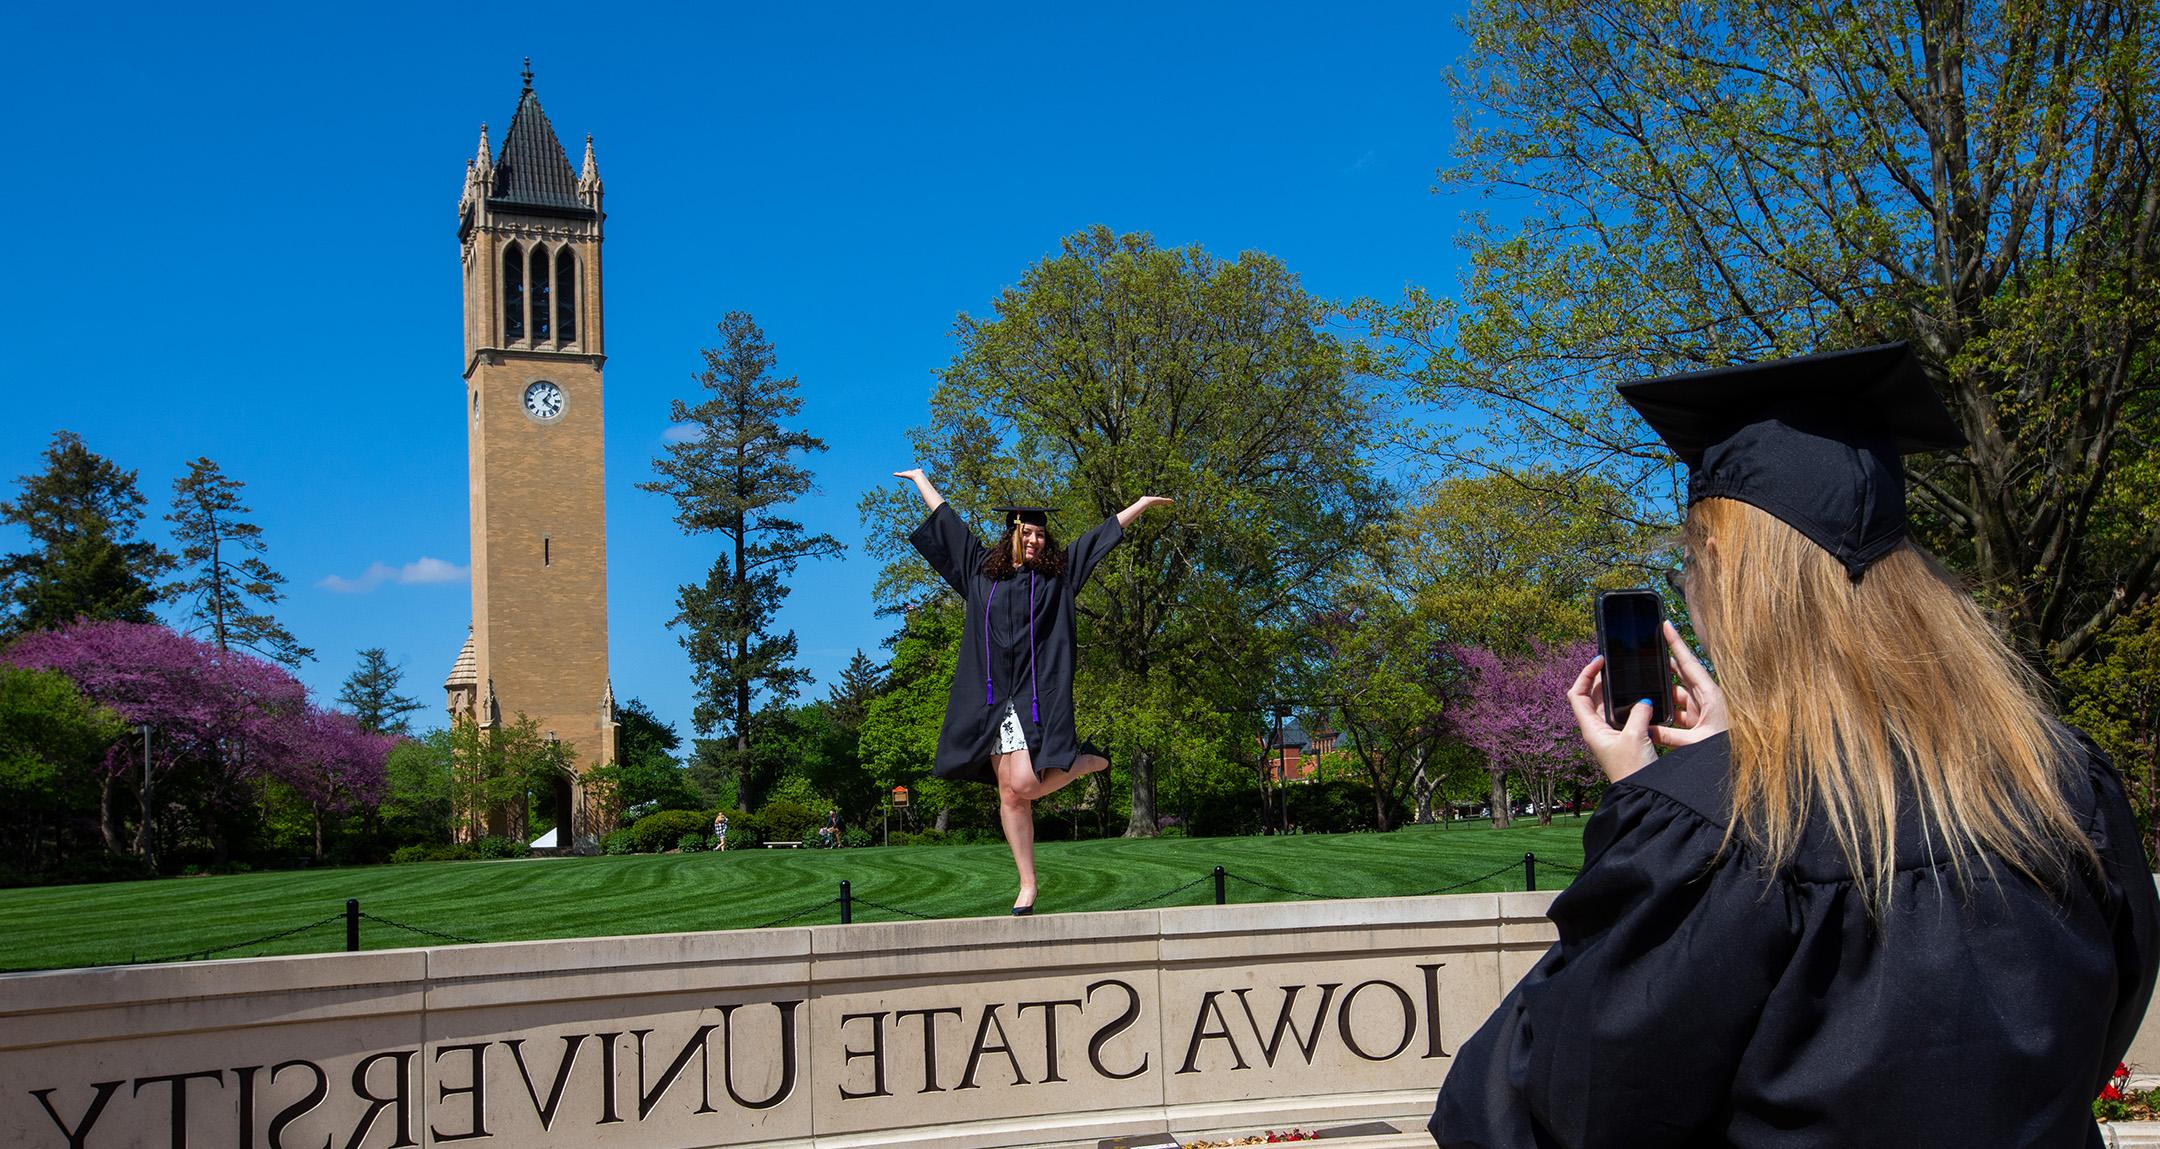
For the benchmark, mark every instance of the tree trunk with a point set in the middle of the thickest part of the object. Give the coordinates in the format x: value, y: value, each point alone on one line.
x: 108, y: 827
x: 145, y: 834
x: 1421, y: 785
x: 1142, y: 822
x: 318, y: 834
x: 944, y: 814
x: 1499, y: 800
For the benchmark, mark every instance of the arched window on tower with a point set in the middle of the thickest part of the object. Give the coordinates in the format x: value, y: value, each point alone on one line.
x: 543, y: 301
x: 513, y: 289
x: 566, y: 295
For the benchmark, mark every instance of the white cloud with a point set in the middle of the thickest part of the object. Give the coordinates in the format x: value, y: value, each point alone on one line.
x: 682, y: 433
x: 419, y: 572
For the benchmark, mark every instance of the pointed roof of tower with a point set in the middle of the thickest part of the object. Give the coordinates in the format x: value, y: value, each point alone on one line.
x: 466, y: 670
x: 532, y: 171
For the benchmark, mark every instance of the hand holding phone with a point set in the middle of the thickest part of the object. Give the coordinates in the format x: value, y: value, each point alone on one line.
x: 1631, y: 641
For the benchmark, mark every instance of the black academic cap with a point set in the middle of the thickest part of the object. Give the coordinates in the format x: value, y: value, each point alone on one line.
x: 1033, y: 516
x: 1814, y: 440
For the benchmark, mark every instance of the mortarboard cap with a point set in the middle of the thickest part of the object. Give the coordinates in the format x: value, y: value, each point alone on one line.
x: 1033, y: 516
x: 1814, y: 441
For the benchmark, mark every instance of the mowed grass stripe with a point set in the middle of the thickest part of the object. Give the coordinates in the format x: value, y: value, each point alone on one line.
x: 65, y: 926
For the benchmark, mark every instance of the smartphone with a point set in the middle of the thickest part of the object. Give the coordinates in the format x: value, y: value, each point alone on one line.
x: 1630, y: 636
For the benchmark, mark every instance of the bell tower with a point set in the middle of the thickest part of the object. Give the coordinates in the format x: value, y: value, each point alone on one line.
x: 529, y: 230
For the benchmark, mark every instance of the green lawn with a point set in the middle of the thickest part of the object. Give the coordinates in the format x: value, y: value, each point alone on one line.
x: 64, y: 926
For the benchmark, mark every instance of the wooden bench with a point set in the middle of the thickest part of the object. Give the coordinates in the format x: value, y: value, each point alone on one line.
x: 783, y: 845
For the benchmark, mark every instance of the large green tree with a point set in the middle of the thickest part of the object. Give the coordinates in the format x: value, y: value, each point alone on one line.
x: 81, y: 513
x: 1117, y: 368
x: 732, y: 467
x: 227, y: 584
x: 1691, y: 185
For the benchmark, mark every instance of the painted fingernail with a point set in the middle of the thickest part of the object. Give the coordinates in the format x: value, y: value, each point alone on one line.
x: 1643, y: 702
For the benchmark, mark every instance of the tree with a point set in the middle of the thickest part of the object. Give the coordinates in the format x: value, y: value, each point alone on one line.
x: 53, y: 742
x: 1381, y: 673
x: 730, y: 475
x: 494, y: 771
x: 899, y: 735
x: 335, y: 764
x: 1715, y: 183
x: 81, y: 513
x: 1118, y: 368
x: 219, y: 722
x: 229, y: 584
x: 1508, y: 559
x: 850, y: 698
x: 419, y: 800
x: 645, y: 775
x: 2115, y: 697
x: 1517, y: 716
x: 371, y: 695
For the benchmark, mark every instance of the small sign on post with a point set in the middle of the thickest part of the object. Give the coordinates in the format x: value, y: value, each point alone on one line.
x: 899, y: 796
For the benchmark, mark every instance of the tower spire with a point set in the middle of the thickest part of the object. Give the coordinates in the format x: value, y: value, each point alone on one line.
x: 592, y: 166
x: 527, y: 73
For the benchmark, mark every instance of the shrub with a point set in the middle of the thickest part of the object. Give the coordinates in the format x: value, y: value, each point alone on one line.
x: 656, y: 832
x: 437, y: 852
x: 494, y: 848
x: 692, y: 843
x: 782, y: 820
x: 619, y: 842
x: 855, y: 837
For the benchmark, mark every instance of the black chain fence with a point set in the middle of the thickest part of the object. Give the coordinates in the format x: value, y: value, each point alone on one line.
x: 1170, y: 893
x: 423, y: 931
x: 847, y: 901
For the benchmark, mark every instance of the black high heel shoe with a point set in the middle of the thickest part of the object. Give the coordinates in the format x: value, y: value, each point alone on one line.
x: 1025, y: 911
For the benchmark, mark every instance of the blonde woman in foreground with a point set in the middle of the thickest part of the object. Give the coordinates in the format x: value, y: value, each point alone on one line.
x: 1873, y: 894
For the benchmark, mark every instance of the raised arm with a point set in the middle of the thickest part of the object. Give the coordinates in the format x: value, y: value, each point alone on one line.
x: 930, y: 496
x: 1140, y: 507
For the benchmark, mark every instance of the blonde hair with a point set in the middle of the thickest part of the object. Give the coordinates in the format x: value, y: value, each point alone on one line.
x: 1841, y: 690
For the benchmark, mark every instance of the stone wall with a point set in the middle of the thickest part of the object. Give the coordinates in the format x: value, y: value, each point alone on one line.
x: 1053, y: 1031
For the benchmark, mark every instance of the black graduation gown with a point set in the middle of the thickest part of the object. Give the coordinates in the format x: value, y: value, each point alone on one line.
x: 1692, y: 1001
x: 995, y: 664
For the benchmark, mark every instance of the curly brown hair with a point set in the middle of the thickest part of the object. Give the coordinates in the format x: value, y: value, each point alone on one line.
x: 999, y: 564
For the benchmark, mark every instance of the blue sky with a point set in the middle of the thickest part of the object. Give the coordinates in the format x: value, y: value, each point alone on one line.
x: 235, y: 238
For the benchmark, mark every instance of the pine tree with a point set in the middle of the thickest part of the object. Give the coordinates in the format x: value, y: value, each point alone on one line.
x: 231, y: 586
x: 81, y: 513
x: 371, y: 694
x: 849, y: 700
x: 730, y: 476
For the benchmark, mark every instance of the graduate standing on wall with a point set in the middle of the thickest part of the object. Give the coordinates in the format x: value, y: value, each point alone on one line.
x: 1009, y: 717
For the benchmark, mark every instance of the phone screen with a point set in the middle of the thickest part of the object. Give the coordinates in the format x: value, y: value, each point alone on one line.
x: 1628, y: 625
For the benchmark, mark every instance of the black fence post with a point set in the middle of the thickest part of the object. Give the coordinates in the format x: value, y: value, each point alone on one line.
x: 847, y: 902
x: 1219, y: 898
x: 352, y: 925
x: 1529, y: 872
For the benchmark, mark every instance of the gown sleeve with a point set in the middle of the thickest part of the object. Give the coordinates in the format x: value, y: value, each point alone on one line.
x: 2136, y: 905
x: 1630, y: 1029
x: 1089, y: 549
x: 949, y: 546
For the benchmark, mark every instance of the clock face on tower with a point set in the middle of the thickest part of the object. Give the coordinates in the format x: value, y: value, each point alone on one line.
x: 544, y: 401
